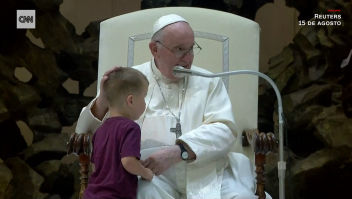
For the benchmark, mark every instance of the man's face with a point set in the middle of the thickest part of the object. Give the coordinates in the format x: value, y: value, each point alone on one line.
x: 177, y: 37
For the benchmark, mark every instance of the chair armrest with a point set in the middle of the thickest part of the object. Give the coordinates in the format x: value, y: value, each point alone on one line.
x: 262, y: 144
x: 80, y: 145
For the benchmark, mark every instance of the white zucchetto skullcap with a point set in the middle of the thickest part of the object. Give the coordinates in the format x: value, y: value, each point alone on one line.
x: 165, y: 21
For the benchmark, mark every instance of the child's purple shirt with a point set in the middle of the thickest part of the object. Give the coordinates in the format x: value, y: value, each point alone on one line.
x: 116, y: 138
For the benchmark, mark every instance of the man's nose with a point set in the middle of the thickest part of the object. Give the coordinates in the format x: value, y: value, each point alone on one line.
x: 187, y: 57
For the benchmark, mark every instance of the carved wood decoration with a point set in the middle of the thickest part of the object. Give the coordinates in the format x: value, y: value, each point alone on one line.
x: 262, y: 144
x: 79, y: 144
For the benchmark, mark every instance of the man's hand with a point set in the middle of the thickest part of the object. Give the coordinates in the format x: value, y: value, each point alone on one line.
x: 100, y: 107
x: 161, y: 160
x: 102, y: 95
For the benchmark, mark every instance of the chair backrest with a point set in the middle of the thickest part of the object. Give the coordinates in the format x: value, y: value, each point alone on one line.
x: 229, y: 42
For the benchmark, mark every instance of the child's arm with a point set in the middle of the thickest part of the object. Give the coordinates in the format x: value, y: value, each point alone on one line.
x: 133, y: 166
x: 92, y: 166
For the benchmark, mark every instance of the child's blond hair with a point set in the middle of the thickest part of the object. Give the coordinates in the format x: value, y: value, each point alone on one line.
x: 123, y: 82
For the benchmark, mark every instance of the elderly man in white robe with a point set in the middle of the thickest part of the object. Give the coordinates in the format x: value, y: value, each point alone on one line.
x: 188, y: 126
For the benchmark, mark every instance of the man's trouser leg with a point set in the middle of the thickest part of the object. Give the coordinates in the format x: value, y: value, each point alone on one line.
x: 156, y: 189
x: 232, y: 188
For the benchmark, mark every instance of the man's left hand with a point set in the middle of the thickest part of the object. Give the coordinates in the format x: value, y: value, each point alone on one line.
x: 161, y: 160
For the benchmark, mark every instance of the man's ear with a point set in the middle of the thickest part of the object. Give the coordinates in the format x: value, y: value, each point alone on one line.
x: 129, y: 100
x: 154, y: 49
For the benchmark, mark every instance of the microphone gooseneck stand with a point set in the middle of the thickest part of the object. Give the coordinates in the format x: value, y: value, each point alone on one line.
x: 180, y: 72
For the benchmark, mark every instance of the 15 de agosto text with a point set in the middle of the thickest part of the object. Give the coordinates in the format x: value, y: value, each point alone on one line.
x: 322, y: 20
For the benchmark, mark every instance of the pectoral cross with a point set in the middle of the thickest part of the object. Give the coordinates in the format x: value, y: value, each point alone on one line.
x: 177, y: 130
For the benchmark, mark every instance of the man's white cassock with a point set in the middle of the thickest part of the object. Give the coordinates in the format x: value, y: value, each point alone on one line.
x: 207, y: 127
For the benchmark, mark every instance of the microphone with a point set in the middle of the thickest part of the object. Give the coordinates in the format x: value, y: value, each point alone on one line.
x: 181, y: 72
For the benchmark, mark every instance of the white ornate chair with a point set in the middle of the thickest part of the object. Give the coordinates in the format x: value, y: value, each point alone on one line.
x: 228, y: 42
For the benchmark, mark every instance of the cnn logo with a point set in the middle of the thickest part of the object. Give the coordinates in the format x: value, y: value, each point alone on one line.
x: 25, y: 19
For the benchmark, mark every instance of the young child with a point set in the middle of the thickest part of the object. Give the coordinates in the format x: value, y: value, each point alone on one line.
x: 116, y: 143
